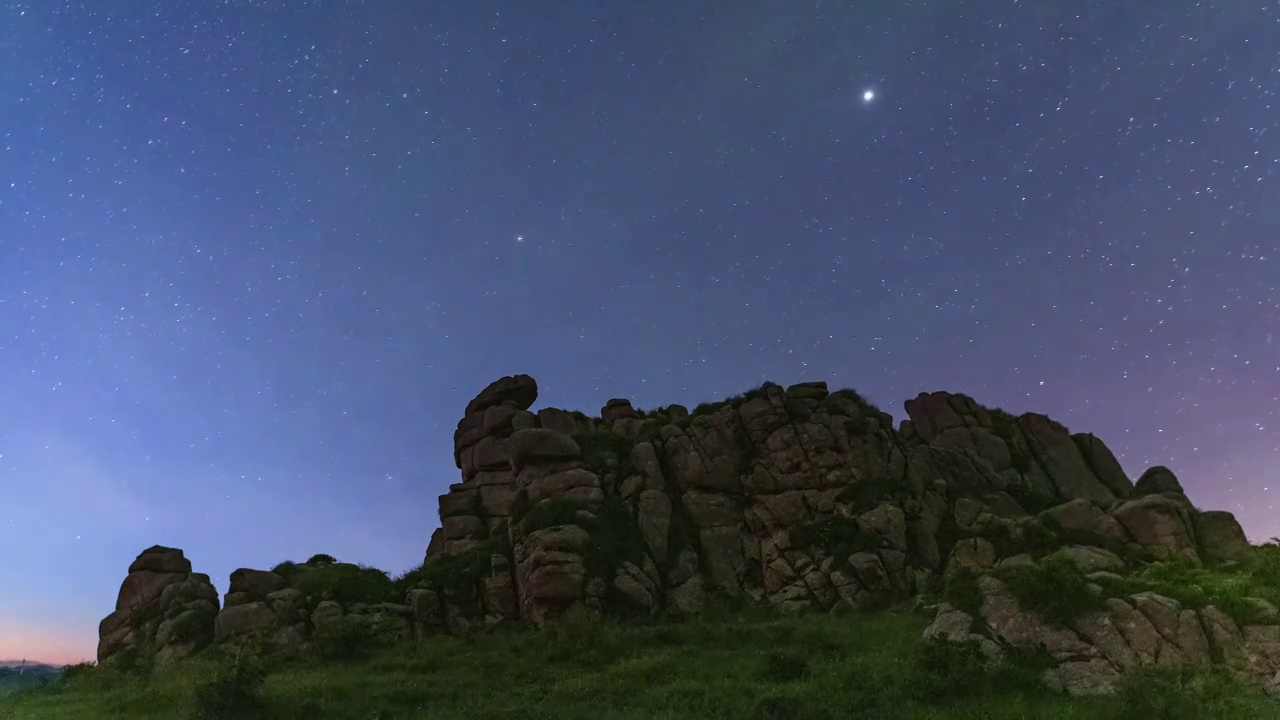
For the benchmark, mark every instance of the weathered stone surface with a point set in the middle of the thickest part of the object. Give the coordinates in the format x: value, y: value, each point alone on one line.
x: 809, y: 500
x: 1103, y: 463
x: 560, y: 421
x: 158, y: 559
x: 519, y: 391
x: 975, y: 555
x: 1082, y: 521
x: 1159, y: 524
x: 244, y: 619
x: 1057, y: 454
x: 654, y: 518
x: 162, y: 608
x: 1221, y: 537
x: 617, y: 409
x: 1090, y: 559
x: 256, y: 583
x: 539, y: 445
x: 1157, y: 479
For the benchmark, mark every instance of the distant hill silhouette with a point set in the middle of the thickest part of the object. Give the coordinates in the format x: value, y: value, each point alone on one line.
x: 16, y: 674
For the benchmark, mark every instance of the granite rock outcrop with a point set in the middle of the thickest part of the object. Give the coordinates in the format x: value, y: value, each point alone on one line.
x: 163, y: 611
x: 808, y: 500
x: 802, y: 498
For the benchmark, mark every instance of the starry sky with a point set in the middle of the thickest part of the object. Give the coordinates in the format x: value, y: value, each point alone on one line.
x: 255, y: 257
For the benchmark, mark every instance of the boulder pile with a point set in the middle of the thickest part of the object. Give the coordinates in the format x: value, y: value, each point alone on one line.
x: 799, y: 497
x: 163, y: 611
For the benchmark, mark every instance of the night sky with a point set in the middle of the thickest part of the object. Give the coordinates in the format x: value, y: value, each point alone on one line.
x: 255, y: 257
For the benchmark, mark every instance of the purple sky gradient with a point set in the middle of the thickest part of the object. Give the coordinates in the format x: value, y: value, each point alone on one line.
x: 256, y: 257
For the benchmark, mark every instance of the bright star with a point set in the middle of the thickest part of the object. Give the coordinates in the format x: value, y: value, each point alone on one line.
x: 519, y: 238
x: 868, y: 96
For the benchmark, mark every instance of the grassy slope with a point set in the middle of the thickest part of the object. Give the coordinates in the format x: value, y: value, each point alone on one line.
x: 806, y: 668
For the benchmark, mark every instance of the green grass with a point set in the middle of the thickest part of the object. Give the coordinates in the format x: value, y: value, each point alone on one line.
x: 816, y: 667
x: 1198, y: 587
x: 838, y: 536
x: 1054, y: 589
x: 961, y: 590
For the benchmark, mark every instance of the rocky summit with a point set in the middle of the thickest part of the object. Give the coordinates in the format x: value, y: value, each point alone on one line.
x: 1021, y: 537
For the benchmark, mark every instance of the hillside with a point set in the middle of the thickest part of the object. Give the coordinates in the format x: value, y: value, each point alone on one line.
x: 740, y: 667
x: 999, y: 555
x: 19, y: 675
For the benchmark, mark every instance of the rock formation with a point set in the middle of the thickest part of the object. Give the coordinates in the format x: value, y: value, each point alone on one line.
x: 809, y: 500
x: 798, y: 497
x: 167, y: 612
x: 163, y: 611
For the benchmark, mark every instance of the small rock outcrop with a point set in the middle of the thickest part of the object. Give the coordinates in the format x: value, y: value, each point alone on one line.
x: 164, y: 610
x: 287, y: 609
x: 261, y: 604
x: 1111, y: 632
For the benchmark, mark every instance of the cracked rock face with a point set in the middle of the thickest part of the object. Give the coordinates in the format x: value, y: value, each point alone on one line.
x: 800, y: 497
x: 1088, y: 654
x: 163, y: 608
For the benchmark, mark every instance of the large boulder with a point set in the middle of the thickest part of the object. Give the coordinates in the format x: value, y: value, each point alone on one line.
x: 261, y: 606
x: 518, y: 391
x: 1221, y: 537
x: 163, y: 611
x: 1161, y: 525
x: 1156, y: 480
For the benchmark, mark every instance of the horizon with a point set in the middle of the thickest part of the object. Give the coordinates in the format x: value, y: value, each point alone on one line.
x: 73, y: 648
x: 258, y: 258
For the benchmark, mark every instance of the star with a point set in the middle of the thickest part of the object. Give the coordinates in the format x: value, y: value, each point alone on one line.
x: 868, y: 96
x: 519, y: 238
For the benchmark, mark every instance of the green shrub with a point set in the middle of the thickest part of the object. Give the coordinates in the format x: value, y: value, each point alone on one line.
x: 1165, y: 692
x: 774, y: 707
x: 320, y: 559
x: 651, y: 430
x: 1055, y: 589
x: 838, y: 536
x: 287, y: 569
x: 346, y: 583
x: 232, y: 693
x: 585, y: 642
x: 857, y: 398
x: 79, y: 672
x: 604, y: 450
x: 1232, y: 592
x: 780, y: 666
x: 962, y: 592
x: 456, y: 575
x: 615, y: 536
x: 138, y: 660
x: 402, y: 584
x: 615, y: 539
x: 707, y: 408
x: 866, y: 494
x: 1030, y: 537
x: 799, y: 411
x: 350, y: 638
x: 683, y: 533
x: 552, y: 512
x: 949, y: 670
x: 1264, y: 564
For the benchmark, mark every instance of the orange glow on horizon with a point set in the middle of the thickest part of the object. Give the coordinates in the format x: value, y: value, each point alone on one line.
x: 45, y: 646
